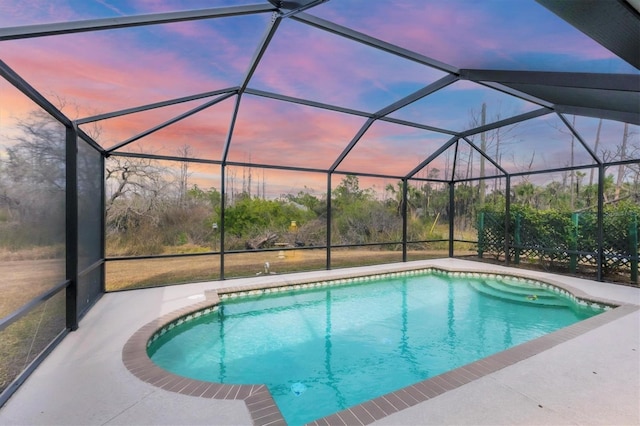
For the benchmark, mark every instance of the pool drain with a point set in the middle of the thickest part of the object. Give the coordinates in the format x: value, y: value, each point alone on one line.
x: 298, y: 388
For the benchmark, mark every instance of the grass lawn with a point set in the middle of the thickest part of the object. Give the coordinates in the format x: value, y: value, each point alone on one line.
x: 127, y: 274
x: 22, y: 280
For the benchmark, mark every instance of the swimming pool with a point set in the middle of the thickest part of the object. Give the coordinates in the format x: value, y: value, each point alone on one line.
x: 334, y: 356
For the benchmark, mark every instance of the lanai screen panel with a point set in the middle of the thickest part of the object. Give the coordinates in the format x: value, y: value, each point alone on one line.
x: 391, y: 149
x: 542, y: 143
x: 306, y: 62
x: 270, y: 184
x: 202, y: 135
x: 12, y: 113
x: 470, y: 164
x: 492, y: 34
x: 90, y: 224
x: 458, y: 107
x: 160, y: 207
x: 607, y: 138
x: 112, y: 131
x: 32, y: 184
x: 28, y: 336
x: 90, y: 182
x: 273, y: 132
x: 442, y: 166
x: 365, y: 210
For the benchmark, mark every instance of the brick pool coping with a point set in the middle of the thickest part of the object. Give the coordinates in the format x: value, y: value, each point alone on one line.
x: 258, y: 399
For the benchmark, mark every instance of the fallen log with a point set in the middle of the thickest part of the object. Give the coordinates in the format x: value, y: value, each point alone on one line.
x: 261, y: 242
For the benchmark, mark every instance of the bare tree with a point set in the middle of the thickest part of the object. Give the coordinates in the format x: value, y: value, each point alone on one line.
x: 595, y: 149
x: 623, y: 156
x: 483, y: 148
x: 33, y: 182
x: 573, y: 173
x: 185, y: 151
x: 249, y: 178
x: 37, y: 153
x: 134, y: 189
x: 493, y: 141
x: 32, y: 172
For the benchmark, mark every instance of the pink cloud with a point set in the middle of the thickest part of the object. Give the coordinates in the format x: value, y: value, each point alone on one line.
x: 274, y: 132
x: 13, y: 104
x: 205, y: 133
x: 105, y: 71
x: 118, y: 129
x: 401, y: 147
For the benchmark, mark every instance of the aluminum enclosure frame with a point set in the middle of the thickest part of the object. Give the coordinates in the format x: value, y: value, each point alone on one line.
x: 518, y: 84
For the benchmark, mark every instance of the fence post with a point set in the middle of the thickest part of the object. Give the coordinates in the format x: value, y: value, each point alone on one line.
x: 573, y: 244
x: 516, y: 239
x: 633, y: 248
x: 480, y: 234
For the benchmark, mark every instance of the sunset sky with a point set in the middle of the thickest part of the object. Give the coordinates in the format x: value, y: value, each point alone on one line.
x: 110, y: 70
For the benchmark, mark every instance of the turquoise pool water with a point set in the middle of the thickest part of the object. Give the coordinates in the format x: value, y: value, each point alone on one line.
x: 322, y: 350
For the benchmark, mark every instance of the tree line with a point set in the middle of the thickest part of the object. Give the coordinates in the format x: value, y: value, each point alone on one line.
x: 152, y: 208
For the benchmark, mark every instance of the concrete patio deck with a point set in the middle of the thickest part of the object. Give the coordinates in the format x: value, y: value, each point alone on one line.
x: 593, y: 378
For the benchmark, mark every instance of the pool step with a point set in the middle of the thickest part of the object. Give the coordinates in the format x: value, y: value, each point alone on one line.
x: 519, y: 293
x: 519, y: 288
